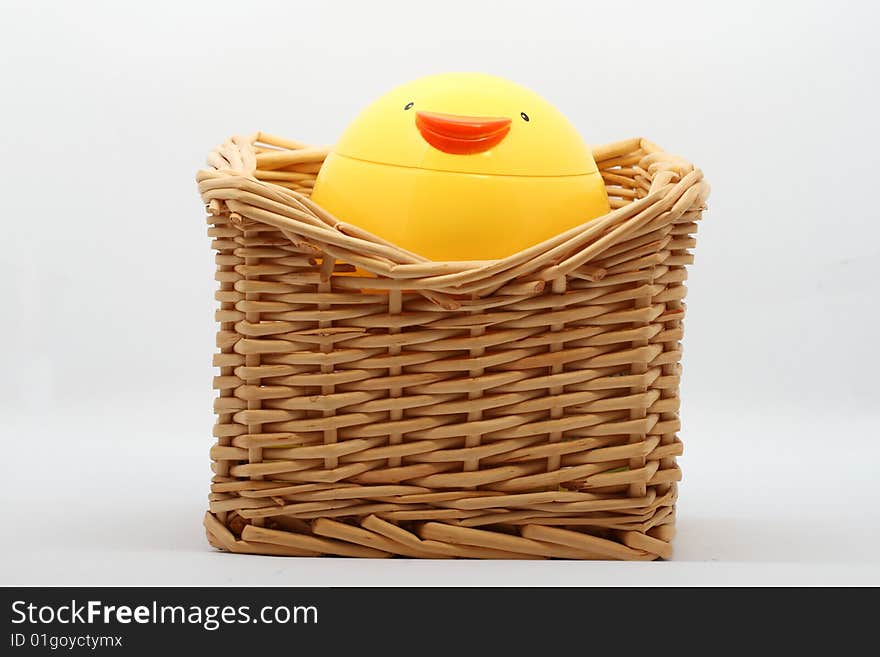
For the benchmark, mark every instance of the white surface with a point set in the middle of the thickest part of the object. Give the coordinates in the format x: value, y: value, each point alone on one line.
x: 107, y: 284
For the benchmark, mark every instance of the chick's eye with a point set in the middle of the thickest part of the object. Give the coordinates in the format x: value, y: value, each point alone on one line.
x: 525, y: 117
x: 408, y: 105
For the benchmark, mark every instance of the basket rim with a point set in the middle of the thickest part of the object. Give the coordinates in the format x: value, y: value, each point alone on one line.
x: 674, y: 186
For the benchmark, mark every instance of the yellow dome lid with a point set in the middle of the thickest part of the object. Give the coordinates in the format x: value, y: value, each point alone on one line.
x: 467, y: 123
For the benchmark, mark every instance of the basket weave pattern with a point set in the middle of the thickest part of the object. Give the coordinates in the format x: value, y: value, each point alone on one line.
x: 372, y: 403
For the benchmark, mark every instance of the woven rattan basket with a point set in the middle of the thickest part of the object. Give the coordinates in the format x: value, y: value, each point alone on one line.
x: 372, y: 403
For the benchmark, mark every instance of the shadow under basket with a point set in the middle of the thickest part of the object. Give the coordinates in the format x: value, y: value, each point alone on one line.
x: 374, y: 404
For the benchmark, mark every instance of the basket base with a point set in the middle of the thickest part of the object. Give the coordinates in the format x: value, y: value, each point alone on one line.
x: 377, y: 538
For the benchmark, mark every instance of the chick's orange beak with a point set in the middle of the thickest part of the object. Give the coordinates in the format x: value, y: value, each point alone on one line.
x: 461, y: 135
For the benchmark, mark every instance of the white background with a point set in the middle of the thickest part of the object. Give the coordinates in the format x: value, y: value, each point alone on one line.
x: 107, y: 325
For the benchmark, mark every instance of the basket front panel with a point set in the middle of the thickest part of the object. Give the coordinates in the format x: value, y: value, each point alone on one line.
x: 365, y: 422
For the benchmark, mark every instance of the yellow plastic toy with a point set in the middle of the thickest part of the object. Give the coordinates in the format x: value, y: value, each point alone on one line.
x: 461, y: 166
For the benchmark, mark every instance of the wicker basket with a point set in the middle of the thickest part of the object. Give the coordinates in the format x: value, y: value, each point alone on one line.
x: 374, y: 404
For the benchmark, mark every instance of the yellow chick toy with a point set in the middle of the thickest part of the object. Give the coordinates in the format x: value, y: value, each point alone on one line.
x: 461, y: 166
